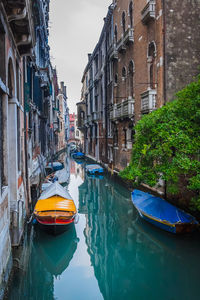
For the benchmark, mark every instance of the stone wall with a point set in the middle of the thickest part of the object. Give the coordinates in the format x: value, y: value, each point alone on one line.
x: 5, y: 244
x: 182, y: 44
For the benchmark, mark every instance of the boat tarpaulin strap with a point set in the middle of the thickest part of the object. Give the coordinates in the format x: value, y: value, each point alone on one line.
x: 55, y: 189
x: 159, y: 208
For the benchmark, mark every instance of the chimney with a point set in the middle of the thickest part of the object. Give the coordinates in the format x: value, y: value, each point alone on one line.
x: 62, y: 86
x: 89, y: 55
x: 65, y: 91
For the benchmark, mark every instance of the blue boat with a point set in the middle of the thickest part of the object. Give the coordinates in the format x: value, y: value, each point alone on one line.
x: 162, y: 214
x: 56, y: 165
x: 94, y: 169
x: 78, y: 155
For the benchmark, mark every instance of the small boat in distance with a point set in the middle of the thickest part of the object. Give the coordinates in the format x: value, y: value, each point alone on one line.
x: 162, y: 214
x: 56, y: 165
x: 55, y: 209
x: 94, y: 169
x: 78, y: 155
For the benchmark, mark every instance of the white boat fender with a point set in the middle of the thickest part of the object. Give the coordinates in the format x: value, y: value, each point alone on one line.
x: 76, y: 219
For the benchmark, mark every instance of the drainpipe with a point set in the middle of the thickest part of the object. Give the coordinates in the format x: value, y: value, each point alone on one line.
x: 106, y: 99
x: 164, y: 51
x: 28, y: 200
x: 164, y: 71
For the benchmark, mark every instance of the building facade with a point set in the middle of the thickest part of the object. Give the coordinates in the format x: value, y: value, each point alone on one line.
x: 146, y: 53
x: 16, y: 40
x: 63, y: 116
x: 28, y: 92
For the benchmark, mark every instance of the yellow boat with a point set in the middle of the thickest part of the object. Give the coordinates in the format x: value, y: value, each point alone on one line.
x: 55, y: 209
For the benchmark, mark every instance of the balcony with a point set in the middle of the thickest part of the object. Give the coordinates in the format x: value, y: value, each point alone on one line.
x: 148, y: 101
x: 149, y: 12
x: 122, y: 110
x: 113, y: 53
x: 21, y: 24
x: 126, y: 39
x: 121, y: 45
x: 129, y: 36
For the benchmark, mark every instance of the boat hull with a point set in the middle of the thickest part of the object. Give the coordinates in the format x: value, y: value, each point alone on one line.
x: 55, y: 227
x: 163, y: 214
x: 172, y: 228
x: 169, y: 228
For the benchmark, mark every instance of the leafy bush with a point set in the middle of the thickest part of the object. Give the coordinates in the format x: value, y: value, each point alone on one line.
x: 167, y: 144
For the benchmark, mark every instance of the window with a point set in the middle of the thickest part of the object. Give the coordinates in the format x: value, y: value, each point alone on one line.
x: 125, y: 138
x: 18, y: 139
x: 115, y: 33
x: 124, y: 72
x: 131, y: 77
x: 151, y: 60
x: 123, y: 22
x: 96, y: 63
x: 1, y: 143
x: 116, y: 78
x: 131, y: 13
x: 115, y: 137
x: 2, y: 56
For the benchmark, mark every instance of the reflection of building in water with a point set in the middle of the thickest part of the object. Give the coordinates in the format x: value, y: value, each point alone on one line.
x: 79, y: 170
x: 76, y: 168
x: 48, y: 257
x: 31, y: 280
x: 130, y: 260
x: 72, y: 167
x: 56, y: 254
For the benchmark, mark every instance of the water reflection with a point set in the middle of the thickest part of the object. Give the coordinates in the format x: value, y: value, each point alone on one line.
x: 46, y: 258
x: 119, y: 255
x: 131, y: 258
x: 56, y: 254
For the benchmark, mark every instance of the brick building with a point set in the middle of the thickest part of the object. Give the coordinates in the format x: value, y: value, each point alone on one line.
x: 151, y: 52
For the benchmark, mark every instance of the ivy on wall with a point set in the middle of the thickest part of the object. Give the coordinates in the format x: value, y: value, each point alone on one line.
x: 167, y: 145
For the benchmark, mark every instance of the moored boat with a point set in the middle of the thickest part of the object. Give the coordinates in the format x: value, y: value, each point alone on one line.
x: 55, y: 209
x: 94, y: 169
x: 162, y: 214
x: 56, y: 165
x: 78, y: 155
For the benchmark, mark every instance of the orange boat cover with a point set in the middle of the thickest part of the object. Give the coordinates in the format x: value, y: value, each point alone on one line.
x: 55, y: 203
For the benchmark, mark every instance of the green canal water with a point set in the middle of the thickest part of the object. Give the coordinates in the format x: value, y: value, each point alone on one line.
x: 110, y: 254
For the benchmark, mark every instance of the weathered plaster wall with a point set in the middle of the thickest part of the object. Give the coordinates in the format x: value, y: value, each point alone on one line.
x: 182, y: 43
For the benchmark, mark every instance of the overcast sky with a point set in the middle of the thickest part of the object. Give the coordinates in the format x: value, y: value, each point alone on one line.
x: 75, y: 28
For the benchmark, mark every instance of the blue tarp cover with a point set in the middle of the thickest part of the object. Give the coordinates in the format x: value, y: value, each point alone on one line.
x: 94, y: 168
x: 159, y: 208
x: 78, y: 154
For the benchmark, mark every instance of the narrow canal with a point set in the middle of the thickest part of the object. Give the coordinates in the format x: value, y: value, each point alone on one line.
x: 110, y: 254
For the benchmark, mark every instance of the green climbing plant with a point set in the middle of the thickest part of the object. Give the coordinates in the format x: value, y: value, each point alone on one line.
x: 167, y: 145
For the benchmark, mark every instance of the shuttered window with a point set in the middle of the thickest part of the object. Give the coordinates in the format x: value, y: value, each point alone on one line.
x: 1, y: 144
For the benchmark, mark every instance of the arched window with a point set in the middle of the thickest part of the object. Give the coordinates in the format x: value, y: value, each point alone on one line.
x: 11, y: 79
x: 82, y: 115
x: 131, y: 77
x: 123, y: 21
x: 151, y: 60
x: 152, y: 50
x: 125, y: 137
x: 115, y: 33
x: 116, y: 78
x: 124, y: 72
x: 115, y: 137
x: 131, y: 13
